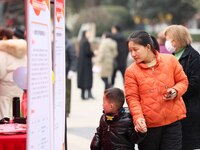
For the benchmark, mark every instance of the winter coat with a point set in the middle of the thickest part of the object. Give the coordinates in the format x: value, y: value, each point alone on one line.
x: 70, y: 57
x: 145, y: 87
x: 117, y: 133
x: 106, y: 55
x: 122, y: 49
x: 12, y: 56
x: 85, y: 77
x: 190, y: 61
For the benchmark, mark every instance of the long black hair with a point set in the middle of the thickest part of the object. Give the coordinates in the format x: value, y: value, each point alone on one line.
x: 144, y: 38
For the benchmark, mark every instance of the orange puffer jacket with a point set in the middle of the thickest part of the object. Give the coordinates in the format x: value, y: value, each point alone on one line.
x: 144, y: 89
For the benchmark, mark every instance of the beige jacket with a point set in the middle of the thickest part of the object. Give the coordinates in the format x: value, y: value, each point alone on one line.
x: 106, y: 55
x: 12, y: 56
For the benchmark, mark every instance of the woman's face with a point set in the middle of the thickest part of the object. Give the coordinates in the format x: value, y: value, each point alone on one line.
x: 88, y: 34
x: 139, y: 52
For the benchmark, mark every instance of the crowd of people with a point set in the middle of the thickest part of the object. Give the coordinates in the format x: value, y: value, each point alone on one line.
x: 161, y: 85
x: 110, y: 57
x: 161, y: 89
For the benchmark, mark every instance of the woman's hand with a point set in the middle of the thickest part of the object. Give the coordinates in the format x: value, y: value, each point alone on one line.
x: 140, y: 125
x: 170, y: 94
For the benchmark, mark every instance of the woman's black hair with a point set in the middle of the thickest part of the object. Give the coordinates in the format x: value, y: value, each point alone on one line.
x: 144, y: 38
x: 84, y: 34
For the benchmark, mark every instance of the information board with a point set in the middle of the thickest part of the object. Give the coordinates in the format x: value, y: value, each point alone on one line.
x: 40, y: 111
x: 59, y: 70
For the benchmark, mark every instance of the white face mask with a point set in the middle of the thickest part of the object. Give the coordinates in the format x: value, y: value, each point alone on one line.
x: 170, y: 48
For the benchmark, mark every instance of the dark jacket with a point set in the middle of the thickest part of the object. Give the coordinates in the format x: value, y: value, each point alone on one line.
x: 190, y: 61
x: 116, y: 134
x: 122, y: 48
x: 85, y: 78
x: 70, y: 57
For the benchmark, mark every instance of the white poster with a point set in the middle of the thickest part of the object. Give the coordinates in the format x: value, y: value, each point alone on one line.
x: 59, y: 70
x: 39, y: 136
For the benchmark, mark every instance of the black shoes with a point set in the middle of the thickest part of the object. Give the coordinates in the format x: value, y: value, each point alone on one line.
x: 91, y: 97
x: 87, y: 95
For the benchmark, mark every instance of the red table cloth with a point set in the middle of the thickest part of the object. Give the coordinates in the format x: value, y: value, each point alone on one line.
x: 13, y: 142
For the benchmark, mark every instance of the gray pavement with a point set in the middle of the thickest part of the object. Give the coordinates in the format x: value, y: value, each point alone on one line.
x: 85, y: 115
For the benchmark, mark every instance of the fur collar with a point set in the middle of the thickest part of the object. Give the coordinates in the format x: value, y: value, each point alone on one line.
x: 15, y: 47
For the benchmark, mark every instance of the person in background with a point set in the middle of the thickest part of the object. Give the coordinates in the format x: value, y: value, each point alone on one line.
x: 71, y: 67
x: 11, y: 44
x: 12, y: 56
x: 178, y: 42
x: 154, y: 85
x: 161, y: 41
x: 5, y: 34
x: 84, y: 70
x: 116, y: 128
x: 105, y: 58
x: 120, y: 60
x: 19, y: 33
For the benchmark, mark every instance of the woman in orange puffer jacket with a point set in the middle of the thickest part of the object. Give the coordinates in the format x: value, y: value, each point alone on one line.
x: 154, y: 85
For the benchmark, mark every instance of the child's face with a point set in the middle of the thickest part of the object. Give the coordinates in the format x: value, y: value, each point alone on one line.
x: 108, y: 107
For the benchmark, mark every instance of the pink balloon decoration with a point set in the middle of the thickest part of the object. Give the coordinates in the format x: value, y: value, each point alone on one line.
x: 20, y: 77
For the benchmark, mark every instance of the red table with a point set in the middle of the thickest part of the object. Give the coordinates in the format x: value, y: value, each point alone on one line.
x: 13, y: 142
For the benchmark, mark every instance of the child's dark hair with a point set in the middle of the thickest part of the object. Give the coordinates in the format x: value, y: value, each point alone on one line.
x: 144, y: 38
x: 116, y: 96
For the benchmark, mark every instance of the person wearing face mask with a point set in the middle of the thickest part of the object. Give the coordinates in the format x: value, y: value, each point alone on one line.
x: 154, y: 85
x: 179, y: 43
x: 161, y: 41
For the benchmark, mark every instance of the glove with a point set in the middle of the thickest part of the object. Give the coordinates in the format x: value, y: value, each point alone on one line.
x: 96, y: 69
x: 70, y: 74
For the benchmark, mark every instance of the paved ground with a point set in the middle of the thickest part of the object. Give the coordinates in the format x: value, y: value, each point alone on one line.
x: 84, y: 116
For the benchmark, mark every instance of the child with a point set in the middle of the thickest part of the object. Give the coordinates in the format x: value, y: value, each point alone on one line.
x: 116, y: 129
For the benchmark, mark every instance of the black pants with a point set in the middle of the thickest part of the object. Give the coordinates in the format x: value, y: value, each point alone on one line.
x: 167, y: 137
x: 68, y: 96
x: 191, y: 132
x: 121, y: 69
x: 86, y: 94
x: 106, y: 82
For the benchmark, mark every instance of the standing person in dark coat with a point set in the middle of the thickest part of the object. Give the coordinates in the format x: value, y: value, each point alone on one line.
x: 85, y: 76
x: 179, y: 43
x: 116, y: 130
x: 71, y: 67
x: 120, y: 61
